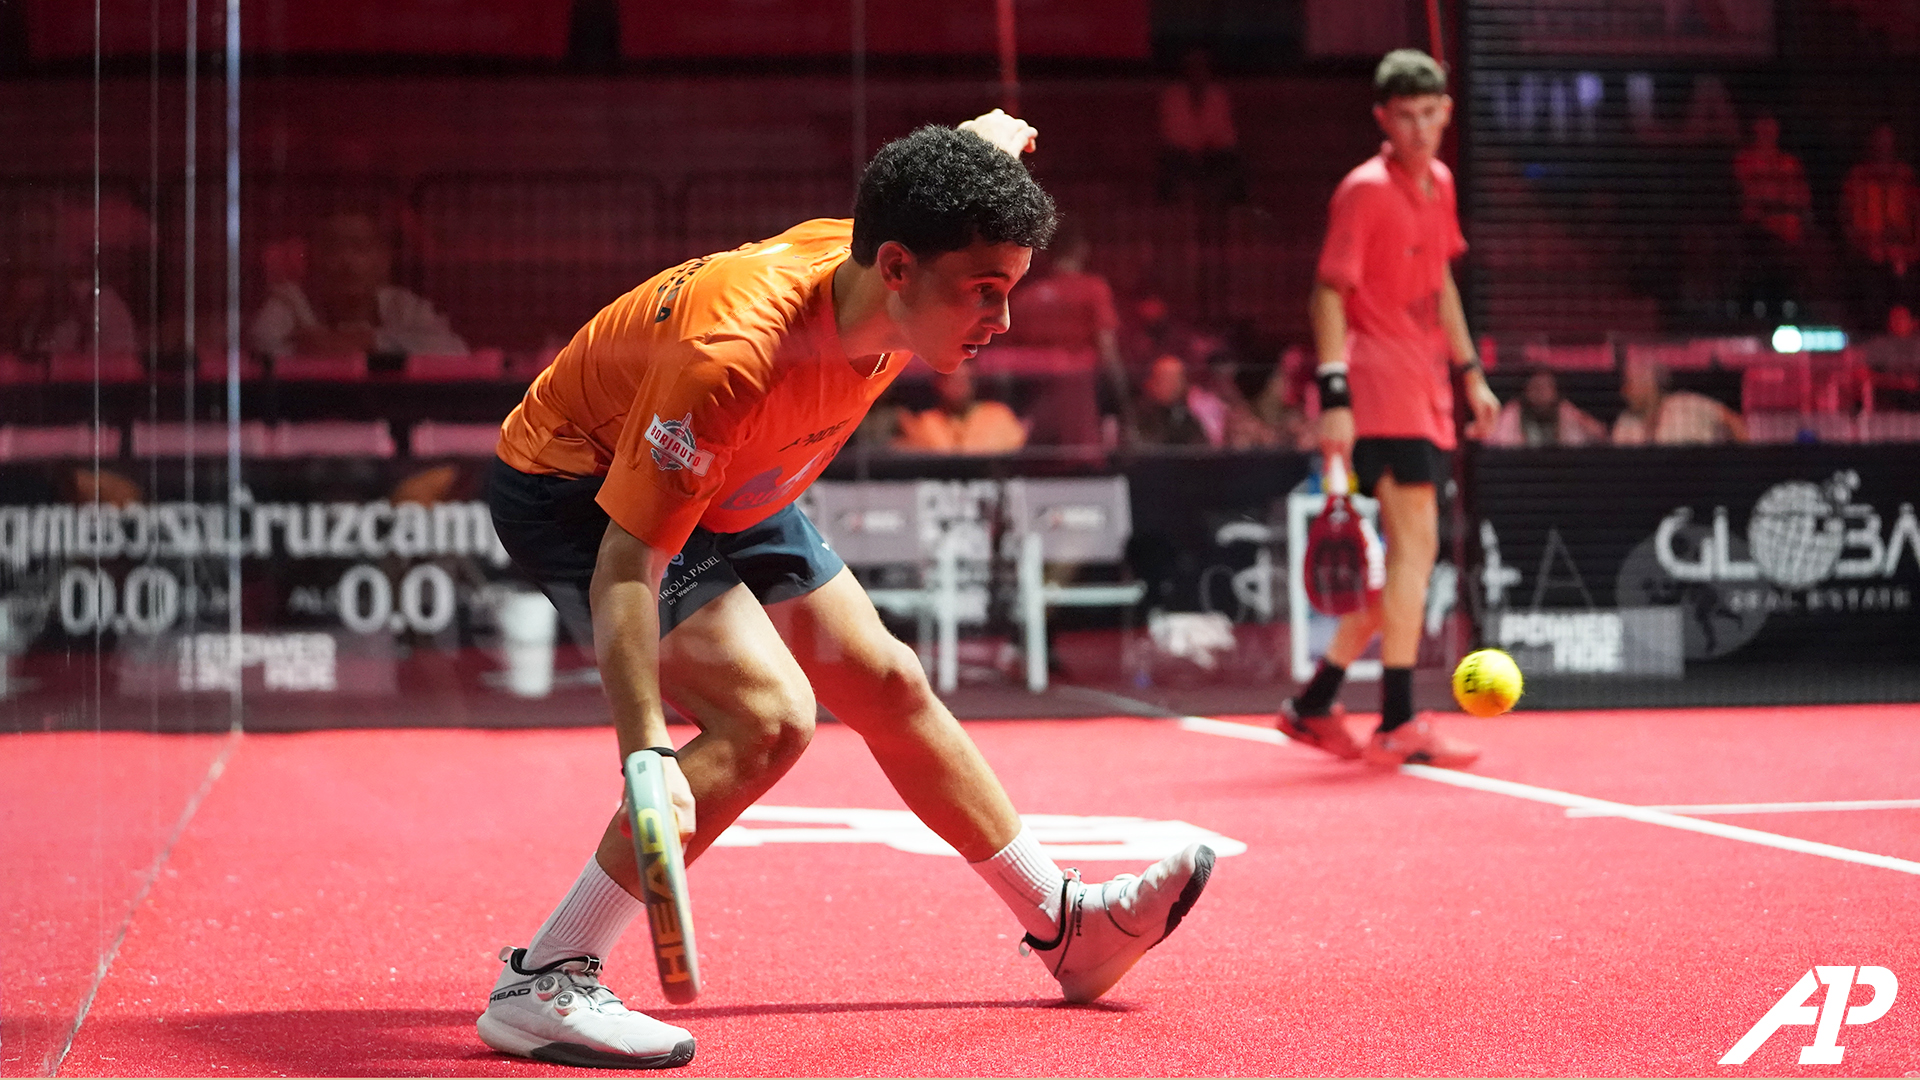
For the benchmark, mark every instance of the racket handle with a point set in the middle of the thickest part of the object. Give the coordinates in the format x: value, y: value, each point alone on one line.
x: 1333, y: 477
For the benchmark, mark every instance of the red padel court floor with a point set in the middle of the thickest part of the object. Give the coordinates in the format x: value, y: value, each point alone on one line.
x: 334, y: 901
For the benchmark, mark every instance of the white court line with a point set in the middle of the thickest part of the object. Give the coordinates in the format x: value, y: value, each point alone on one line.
x: 214, y: 771
x: 1766, y: 807
x: 1599, y: 807
x: 1233, y: 731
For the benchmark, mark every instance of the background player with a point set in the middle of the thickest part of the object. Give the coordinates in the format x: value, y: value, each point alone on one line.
x: 647, y: 482
x: 1386, y: 322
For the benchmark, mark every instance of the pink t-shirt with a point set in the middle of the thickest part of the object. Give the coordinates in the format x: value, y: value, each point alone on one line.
x: 1387, y: 248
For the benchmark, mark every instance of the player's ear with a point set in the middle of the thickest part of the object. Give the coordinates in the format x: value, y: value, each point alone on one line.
x: 895, y: 263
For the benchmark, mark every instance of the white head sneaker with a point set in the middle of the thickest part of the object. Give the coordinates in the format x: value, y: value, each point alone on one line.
x: 1106, y: 928
x: 561, y: 1014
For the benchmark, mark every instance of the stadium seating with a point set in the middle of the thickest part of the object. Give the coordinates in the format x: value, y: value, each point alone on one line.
x: 26, y: 443
x: 432, y: 438
x: 207, y: 438
x: 85, y: 368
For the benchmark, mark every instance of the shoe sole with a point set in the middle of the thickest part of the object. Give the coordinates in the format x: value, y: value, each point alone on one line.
x: 511, y: 1040
x: 1419, y: 757
x: 1101, y: 979
x: 1294, y: 729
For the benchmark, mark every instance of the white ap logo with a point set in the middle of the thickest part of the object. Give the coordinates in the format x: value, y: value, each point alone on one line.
x: 1794, y: 1010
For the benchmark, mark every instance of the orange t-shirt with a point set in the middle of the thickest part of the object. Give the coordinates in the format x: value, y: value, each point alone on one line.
x: 711, y: 395
x: 1388, y: 244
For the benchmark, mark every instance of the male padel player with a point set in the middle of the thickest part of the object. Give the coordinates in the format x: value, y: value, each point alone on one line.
x: 647, y: 482
x: 1387, y: 323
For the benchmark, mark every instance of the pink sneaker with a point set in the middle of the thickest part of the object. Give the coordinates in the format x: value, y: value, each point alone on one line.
x: 1327, y: 731
x: 1417, y: 743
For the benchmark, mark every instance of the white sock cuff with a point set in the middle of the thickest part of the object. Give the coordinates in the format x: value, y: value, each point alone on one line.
x: 1028, y: 870
x: 589, y: 921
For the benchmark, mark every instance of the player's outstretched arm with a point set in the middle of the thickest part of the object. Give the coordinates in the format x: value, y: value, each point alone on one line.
x: 626, y: 636
x: 1009, y: 133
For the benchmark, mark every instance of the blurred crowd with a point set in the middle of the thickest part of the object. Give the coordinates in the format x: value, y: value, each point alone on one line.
x: 1088, y: 362
x: 1791, y: 264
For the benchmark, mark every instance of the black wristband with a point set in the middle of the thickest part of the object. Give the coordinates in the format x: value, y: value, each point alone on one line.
x: 1333, y: 388
x: 663, y: 751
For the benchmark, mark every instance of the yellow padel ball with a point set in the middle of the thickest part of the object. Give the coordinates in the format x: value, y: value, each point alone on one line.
x: 1487, y: 682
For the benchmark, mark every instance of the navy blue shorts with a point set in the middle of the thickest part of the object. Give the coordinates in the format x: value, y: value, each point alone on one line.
x: 552, y: 526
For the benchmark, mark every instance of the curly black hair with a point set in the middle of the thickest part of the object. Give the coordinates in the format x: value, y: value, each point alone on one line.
x: 941, y: 189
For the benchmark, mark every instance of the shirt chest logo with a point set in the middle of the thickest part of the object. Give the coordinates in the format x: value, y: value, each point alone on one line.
x: 673, y: 447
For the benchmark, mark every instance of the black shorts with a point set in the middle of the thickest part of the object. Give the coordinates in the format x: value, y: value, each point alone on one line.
x: 552, y: 527
x: 1411, y: 461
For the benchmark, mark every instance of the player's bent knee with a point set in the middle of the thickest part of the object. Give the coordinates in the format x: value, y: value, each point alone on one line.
x: 773, y: 727
x: 891, y: 685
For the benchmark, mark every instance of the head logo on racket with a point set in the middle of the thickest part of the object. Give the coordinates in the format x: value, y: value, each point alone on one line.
x: 663, y: 876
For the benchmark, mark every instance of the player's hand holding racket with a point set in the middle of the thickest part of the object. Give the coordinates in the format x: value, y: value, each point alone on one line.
x: 1345, y: 565
x: 678, y: 793
x: 1336, y: 435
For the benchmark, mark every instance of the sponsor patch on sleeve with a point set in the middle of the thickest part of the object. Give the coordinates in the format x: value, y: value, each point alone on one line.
x: 673, y: 446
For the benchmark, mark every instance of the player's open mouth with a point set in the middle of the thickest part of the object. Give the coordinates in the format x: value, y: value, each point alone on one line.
x: 971, y: 350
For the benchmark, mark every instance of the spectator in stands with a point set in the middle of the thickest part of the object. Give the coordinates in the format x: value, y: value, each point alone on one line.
x: 1658, y: 414
x: 1893, y: 363
x: 1880, y: 213
x: 349, y: 303
x: 1269, y: 420
x: 1775, y: 211
x: 1071, y: 308
x: 961, y: 423
x: 1165, y: 414
x: 1199, y: 148
x: 1151, y: 331
x: 52, y: 313
x: 48, y: 307
x: 1541, y: 417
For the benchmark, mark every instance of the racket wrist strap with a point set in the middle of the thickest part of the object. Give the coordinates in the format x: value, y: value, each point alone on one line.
x: 1334, y: 392
x: 663, y: 751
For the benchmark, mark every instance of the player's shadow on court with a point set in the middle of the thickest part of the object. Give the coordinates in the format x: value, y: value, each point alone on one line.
x: 389, y: 1042
x: 824, y: 1008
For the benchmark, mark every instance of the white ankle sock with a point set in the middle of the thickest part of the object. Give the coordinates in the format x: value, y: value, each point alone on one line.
x: 1023, y: 876
x: 587, y: 923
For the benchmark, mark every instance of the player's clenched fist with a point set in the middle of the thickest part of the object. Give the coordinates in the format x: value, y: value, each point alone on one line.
x: 680, y: 795
x: 1009, y: 133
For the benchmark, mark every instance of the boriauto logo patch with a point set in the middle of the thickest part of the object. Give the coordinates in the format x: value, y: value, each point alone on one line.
x: 1826, y: 1018
x: 673, y: 447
